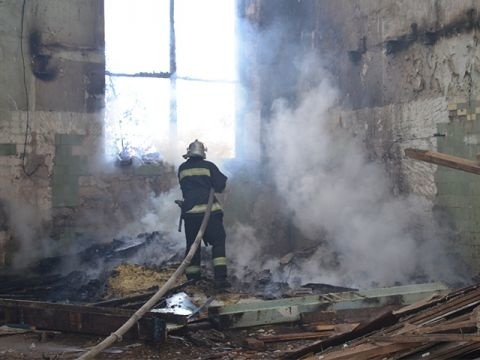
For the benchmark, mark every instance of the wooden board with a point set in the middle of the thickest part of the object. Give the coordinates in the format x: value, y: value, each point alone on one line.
x: 450, y: 161
x: 81, y: 319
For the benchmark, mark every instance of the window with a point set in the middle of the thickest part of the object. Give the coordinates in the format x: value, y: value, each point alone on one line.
x: 171, y: 77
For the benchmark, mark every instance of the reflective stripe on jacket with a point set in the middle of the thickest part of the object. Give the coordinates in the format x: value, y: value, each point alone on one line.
x: 201, y: 208
x: 197, y: 176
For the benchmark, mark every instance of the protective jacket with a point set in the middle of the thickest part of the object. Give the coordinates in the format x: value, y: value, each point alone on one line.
x: 197, y: 176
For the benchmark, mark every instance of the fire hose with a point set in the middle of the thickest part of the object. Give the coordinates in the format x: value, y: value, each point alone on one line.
x: 117, y: 335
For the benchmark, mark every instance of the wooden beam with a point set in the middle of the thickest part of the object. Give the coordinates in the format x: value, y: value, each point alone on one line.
x: 337, y: 328
x: 420, y: 305
x: 345, y: 315
x: 382, y: 321
x: 462, y: 327
x: 453, y: 315
x: 288, y: 310
x: 450, y: 161
x: 366, y: 351
x: 318, y: 317
x: 81, y: 319
x: 454, y: 351
x: 320, y: 327
x: 295, y: 336
x: 431, y: 338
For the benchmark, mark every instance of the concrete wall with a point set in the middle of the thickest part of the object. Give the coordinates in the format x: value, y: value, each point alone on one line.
x: 407, y: 73
x: 404, y: 77
x: 56, y: 190
x: 408, y: 70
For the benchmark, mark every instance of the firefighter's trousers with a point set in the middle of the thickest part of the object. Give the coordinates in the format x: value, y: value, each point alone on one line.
x: 214, y: 235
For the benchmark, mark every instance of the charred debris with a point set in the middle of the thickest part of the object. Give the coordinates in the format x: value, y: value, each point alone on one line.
x: 257, y: 318
x: 77, y: 277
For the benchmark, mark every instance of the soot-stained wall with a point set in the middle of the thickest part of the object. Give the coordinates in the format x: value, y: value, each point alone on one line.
x: 57, y: 192
x: 406, y: 73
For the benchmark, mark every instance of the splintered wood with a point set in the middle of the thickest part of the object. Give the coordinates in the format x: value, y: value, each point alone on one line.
x: 442, y: 327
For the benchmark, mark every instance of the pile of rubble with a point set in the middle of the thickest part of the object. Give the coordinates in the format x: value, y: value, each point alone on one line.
x: 439, y: 327
x: 258, y: 318
x: 82, y: 276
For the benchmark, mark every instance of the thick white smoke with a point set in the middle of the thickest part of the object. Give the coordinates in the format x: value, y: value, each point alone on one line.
x: 27, y: 225
x: 160, y: 214
x: 331, y: 188
x: 243, y: 248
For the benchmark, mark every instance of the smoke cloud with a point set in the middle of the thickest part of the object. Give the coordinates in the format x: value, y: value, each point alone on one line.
x: 159, y: 214
x: 244, y: 247
x: 27, y: 225
x: 338, y: 197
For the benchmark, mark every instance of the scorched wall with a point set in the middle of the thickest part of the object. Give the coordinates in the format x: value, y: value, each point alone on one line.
x: 57, y: 191
x: 407, y: 72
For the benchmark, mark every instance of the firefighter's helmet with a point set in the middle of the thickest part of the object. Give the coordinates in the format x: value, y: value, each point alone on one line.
x: 196, y: 149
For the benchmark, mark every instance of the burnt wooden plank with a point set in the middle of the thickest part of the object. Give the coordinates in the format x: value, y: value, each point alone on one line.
x: 448, y: 311
x: 294, y: 336
x: 337, y: 328
x: 318, y: 316
x: 343, y: 316
x: 420, y: 305
x: 413, y: 352
x: 319, y: 327
x: 362, y: 315
x: 416, y: 322
x: 450, y: 161
x: 449, y: 303
x: 384, y: 320
x: 424, y: 338
x: 81, y: 319
x: 125, y: 300
x: 18, y: 284
x: 467, y: 326
x: 366, y: 351
x: 453, y: 351
x: 427, y: 326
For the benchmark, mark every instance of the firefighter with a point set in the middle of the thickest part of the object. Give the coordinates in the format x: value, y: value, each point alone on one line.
x: 197, y: 176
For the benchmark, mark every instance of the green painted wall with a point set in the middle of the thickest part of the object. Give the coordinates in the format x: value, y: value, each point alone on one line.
x: 8, y: 149
x: 458, y: 192
x: 66, y: 171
